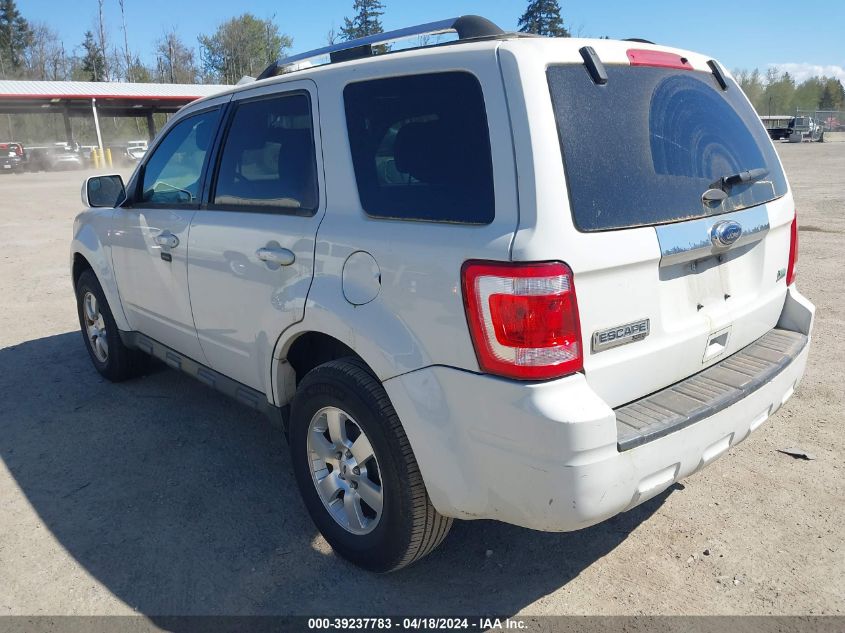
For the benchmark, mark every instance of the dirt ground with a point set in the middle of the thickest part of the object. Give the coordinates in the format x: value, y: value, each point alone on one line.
x: 160, y: 496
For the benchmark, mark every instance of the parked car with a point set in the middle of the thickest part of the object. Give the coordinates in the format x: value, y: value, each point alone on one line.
x: 12, y: 157
x: 130, y: 152
x: 134, y: 154
x: 464, y: 296
x: 55, y: 157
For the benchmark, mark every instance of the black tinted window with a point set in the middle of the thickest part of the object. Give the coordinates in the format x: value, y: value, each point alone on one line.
x: 421, y: 147
x: 268, y: 157
x: 172, y: 174
x: 643, y: 148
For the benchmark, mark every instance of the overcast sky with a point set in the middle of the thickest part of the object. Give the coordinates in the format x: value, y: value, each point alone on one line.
x: 802, y: 36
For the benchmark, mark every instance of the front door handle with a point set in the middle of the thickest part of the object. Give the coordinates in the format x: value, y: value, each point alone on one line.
x: 277, y: 255
x: 166, y: 239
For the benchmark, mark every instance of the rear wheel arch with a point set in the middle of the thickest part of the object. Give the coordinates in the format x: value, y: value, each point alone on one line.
x: 313, y: 348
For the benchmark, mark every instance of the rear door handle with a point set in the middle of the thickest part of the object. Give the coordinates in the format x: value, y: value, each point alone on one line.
x: 280, y: 256
x: 166, y: 239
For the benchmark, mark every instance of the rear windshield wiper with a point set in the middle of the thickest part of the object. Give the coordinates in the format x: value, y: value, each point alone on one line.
x: 743, y: 177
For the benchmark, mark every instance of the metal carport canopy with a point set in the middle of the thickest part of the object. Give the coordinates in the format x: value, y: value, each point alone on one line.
x: 86, y: 98
x: 112, y: 98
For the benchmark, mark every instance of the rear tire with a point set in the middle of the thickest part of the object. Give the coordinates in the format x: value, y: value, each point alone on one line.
x: 110, y: 356
x: 336, y: 405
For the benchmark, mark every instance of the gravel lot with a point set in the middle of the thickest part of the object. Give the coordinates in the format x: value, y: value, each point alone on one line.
x: 160, y: 496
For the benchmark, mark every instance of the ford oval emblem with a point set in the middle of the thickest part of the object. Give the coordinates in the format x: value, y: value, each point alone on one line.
x: 725, y: 233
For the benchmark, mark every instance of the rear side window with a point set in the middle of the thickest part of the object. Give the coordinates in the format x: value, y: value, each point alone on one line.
x: 642, y: 149
x: 268, y: 160
x: 421, y: 148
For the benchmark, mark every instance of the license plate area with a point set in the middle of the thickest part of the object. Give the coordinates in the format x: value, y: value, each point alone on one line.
x: 717, y: 343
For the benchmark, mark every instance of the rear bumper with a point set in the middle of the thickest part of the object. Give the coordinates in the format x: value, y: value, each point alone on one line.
x: 545, y: 455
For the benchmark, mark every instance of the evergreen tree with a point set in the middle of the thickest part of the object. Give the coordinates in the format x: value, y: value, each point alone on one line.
x: 366, y: 21
x: 833, y: 95
x: 138, y: 72
x: 93, y: 62
x: 542, y: 17
x: 15, y: 37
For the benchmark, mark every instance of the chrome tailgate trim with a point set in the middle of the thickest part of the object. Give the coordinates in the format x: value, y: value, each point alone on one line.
x: 692, y: 240
x: 708, y: 391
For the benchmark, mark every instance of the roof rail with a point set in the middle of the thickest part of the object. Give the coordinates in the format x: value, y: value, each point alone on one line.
x: 467, y: 27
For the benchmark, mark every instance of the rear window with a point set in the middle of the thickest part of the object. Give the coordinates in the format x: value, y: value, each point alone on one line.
x: 421, y: 148
x: 643, y: 148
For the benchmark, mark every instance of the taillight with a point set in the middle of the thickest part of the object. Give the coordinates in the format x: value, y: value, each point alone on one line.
x: 793, y: 251
x: 523, y: 318
x: 659, y: 59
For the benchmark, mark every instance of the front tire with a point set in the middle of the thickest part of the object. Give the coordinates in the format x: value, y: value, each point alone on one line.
x: 109, y: 355
x: 356, y: 471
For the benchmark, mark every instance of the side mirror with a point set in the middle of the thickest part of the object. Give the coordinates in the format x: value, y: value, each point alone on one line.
x: 103, y: 191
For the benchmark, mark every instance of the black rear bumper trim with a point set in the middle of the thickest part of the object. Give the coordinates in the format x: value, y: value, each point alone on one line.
x: 707, y: 392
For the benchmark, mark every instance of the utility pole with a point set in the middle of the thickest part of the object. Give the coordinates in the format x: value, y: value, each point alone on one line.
x: 103, y: 42
x: 126, y: 53
x: 170, y: 57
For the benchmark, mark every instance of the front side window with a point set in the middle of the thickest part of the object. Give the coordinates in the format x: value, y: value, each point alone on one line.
x: 173, y: 172
x: 421, y: 148
x: 268, y: 160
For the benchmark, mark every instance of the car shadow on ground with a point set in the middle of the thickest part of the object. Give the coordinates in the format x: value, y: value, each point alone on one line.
x: 180, y: 501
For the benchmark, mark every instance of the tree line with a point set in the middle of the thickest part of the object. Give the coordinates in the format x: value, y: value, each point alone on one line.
x: 245, y: 44
x: 242, y: 45
x: 777, y: 93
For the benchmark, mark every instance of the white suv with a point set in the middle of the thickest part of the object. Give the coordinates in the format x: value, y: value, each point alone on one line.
x: 505, y: 277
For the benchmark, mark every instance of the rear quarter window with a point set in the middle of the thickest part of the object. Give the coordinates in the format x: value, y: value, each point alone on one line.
x: 643, y: 148
x: 421, y: 148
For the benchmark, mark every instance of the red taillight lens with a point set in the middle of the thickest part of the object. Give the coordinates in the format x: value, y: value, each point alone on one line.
x: 523, y: 319
x: 793, y: 251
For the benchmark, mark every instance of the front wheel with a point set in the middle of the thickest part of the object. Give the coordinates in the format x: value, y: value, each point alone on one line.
x: 110, y: 356
x: 356, y: 470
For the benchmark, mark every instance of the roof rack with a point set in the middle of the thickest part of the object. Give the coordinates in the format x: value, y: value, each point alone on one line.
x: 468, y: 27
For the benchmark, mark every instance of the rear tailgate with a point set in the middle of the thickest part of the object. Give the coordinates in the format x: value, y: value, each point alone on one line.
x: 666, y: 283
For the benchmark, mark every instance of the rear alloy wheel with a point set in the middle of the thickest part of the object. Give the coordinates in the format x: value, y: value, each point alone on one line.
x: 344, y: 470
x: 356, y: 471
